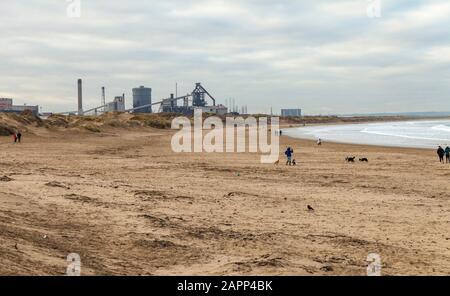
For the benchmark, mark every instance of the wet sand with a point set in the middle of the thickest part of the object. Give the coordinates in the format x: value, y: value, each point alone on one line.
x: 130, y: 206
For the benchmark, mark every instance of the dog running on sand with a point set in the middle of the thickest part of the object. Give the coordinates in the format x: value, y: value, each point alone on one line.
x: 350, y: 159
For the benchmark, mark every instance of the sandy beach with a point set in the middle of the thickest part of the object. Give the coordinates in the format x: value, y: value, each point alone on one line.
x: 130, y: 206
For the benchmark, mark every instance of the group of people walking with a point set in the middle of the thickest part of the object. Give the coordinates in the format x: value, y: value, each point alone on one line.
x: 444, y: 153
x: 17, y: 137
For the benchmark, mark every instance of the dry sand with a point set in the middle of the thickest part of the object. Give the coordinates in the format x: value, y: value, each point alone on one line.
x: 130, y: 206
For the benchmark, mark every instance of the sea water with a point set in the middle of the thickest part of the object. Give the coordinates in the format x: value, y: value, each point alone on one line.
x: 417, y: 134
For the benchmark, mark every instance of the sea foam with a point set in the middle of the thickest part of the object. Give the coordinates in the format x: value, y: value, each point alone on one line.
x: 419, y: 134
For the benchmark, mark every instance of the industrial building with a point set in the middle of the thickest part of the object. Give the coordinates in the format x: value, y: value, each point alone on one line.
x: 118, y: 105
x: 6, y: 105
x: 142, y: 102
x: 198, y: 97
x: 169, y: 105
x: 291, y: 112
x: 219, y: 109
x: 142, y: 96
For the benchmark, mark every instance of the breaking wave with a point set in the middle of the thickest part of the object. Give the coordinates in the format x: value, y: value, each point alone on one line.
x: 419, y: 134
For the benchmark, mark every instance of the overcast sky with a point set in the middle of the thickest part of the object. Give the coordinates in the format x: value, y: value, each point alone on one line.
x: 326, y: 57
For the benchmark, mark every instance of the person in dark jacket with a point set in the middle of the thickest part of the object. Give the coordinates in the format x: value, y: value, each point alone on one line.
x: 447, y: 154
x: 19, y: 137
x: 441, y: 153
x: 288, y: 153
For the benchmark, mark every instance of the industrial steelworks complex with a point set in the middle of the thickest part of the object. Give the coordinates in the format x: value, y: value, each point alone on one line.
x: 199, y: 98
x: 142, y: 102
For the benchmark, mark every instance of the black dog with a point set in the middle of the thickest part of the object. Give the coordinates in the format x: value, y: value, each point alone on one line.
x: 350, y: 159
x: 364, y: 160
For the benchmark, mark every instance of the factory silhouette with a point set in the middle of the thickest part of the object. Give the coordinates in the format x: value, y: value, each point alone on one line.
x: 198, y: 99
x: 142, y: 102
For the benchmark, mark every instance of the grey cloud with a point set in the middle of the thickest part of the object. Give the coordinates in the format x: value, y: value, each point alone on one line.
x: 323, y: 56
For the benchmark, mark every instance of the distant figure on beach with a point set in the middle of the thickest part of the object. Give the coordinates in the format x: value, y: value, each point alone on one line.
x: 14, y: 135
x: 319, y: 142
x: 288, y: 153
x: 441, y: 153
x: 281, y: 133
x: 19, y: 137
x: 447, y: 154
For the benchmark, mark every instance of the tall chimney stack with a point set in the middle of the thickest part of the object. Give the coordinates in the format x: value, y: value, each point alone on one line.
x: 103, y: 96
x: 80, y: 97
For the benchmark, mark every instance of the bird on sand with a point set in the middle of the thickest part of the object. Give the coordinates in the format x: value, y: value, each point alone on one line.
x: 310, y: 208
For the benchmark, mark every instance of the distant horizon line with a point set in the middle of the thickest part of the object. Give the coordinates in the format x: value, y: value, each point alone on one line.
x: 413, y: 114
